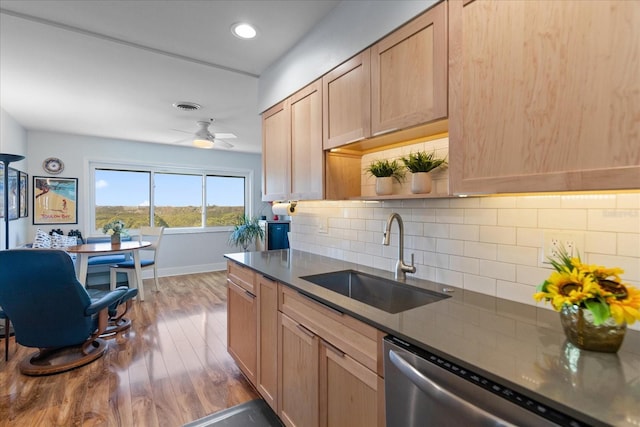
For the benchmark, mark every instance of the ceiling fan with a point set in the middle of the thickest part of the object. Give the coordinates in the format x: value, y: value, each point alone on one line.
x: 203, y: 138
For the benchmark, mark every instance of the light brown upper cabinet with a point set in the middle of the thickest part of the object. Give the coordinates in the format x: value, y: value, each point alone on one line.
x: 346, y: 102
x: 293, y: 160
x: 276, y: 146
x: 409, y: 74
x: 544, y: 96
x: 307, y: 160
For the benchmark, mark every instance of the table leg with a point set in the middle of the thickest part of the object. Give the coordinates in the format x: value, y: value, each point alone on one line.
x: 139, y: 284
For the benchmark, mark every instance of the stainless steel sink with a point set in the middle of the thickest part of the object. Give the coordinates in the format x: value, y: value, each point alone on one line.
x: 387, y: 295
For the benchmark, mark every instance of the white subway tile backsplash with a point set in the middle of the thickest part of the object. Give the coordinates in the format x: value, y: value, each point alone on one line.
x: 570, y: 219
x: 618, y: 220
x: 516, y: 292
x: 498, y: 270
x: 518, y: 255
x: 450, y: 216
x: 629, y: 245
x: 481, y: 216
x: 483, y: 285
x: 487, y: 244
x: 463, y: 264
x: 628, y: 200
x: 600, y: 242
x: 518, y: 217
x: 436, y: 230
x: 448, y: 246
x: 504, y: 235
x: 480, y: 250
x: 464, y: 232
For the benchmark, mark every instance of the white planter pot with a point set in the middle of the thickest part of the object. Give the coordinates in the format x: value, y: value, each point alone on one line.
x: 421, y: 183
x: 384, y: 186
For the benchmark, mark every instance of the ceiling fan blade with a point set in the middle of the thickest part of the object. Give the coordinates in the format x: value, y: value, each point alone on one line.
x: 183, y: 131
x: 224, y: 135
x: 222, y: 143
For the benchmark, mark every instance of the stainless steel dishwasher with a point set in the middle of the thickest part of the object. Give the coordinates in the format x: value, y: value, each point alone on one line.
x: 423, y: 389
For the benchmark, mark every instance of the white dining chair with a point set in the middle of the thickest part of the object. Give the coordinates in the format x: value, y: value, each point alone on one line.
x: 148, y: 234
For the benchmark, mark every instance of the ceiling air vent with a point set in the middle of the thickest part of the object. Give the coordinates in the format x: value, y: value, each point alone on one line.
x: 186, y: 106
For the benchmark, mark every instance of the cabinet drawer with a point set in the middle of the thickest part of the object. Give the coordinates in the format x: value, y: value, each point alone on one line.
x: 351, y: 336
x: 242, y: 276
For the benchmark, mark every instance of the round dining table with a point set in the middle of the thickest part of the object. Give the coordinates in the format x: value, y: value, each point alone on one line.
x: 87, y: 250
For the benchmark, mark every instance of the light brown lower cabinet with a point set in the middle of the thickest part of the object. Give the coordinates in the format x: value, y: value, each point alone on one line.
x: 314, y: 366
x: 242, y: 328
x: 298, y: 363
x: 348, y: 390
x: 267, y: 375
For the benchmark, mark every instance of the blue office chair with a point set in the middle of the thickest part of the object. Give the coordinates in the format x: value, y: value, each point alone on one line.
x: 52, y: 311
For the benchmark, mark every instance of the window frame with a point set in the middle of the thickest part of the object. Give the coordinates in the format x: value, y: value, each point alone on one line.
x: 247, y: 174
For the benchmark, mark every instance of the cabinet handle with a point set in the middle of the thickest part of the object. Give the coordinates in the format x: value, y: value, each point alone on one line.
x: 334, y: 349
x: 334, y: 310
x: 249, y: 294
x: 305, y: 331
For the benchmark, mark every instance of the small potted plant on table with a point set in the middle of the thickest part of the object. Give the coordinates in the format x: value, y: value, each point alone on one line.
x: 420, y: 164
x: 385, y: 172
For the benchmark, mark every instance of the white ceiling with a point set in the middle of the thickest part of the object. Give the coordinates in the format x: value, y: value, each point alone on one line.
x: 114, y: 68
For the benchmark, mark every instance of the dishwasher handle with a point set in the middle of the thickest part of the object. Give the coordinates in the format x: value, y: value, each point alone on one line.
x: 438, y: 393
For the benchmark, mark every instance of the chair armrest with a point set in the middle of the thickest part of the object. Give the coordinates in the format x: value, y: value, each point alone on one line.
x: 105, y: 301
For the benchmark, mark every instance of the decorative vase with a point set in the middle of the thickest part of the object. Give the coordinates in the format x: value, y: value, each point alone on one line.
x: 580, y: 330
x: 421, y: 183
x: 115, y: 239
x: 384, y: 186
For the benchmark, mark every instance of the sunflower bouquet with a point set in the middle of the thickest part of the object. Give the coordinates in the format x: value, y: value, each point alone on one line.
x: 595, y: 288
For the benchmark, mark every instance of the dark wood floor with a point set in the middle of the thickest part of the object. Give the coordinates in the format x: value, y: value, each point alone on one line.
x: 171, y: 368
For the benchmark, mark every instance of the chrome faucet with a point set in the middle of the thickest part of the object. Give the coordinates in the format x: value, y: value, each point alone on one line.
x: 401, y: 268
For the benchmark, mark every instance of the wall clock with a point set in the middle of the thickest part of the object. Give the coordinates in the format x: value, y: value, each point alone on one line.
x: 53, y: 165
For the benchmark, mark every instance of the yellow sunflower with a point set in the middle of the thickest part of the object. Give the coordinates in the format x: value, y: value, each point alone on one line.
x: 626, y: 309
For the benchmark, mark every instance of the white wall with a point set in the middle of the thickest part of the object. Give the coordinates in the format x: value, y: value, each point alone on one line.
x: 490, y: 245
x: 349, y: 28
x: 13, y: 140
x: 185, y: 252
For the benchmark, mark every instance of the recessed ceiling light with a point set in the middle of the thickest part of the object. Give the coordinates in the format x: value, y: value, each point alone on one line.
x: 243, y: 30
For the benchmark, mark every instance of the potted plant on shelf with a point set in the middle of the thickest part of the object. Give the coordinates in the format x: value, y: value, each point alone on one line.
x: 420, y: 164
x: 246, y: 231
x: 385, y: 171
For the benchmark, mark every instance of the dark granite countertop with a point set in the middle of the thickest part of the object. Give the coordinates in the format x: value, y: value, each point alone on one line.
x: 519, y: 345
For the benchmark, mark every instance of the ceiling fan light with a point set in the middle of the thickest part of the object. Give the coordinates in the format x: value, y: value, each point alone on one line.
x: 243, y: 30
x: 202, y: 143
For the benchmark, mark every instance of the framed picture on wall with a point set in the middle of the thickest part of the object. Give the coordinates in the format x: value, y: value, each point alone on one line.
x: 13, y: 194
x: 23, y: 189
x: 55, y: 200
x: 1, y: 190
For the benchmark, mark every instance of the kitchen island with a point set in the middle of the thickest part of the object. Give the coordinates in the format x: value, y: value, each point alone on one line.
x: 518, y: 345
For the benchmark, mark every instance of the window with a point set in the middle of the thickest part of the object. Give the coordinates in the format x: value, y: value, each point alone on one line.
x: 169, y: 199
x: 122, y: 195
x: 225, y: 199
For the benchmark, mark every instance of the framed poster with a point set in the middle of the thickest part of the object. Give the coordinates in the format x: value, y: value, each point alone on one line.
x: 55, y: 200
x: 13, y: 194
x: 23, y: 189
x: 1, y: 190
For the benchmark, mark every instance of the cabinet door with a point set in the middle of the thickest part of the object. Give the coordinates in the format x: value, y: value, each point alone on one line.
x: 346, y: 102
x: 348, y: 390
x: 276, y: 145
x: 544, y: 96
x: 298, y: 370
x: 242, y: 329
x: 267, y: 375
x: 307, y: 157
x: 409, y: 74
